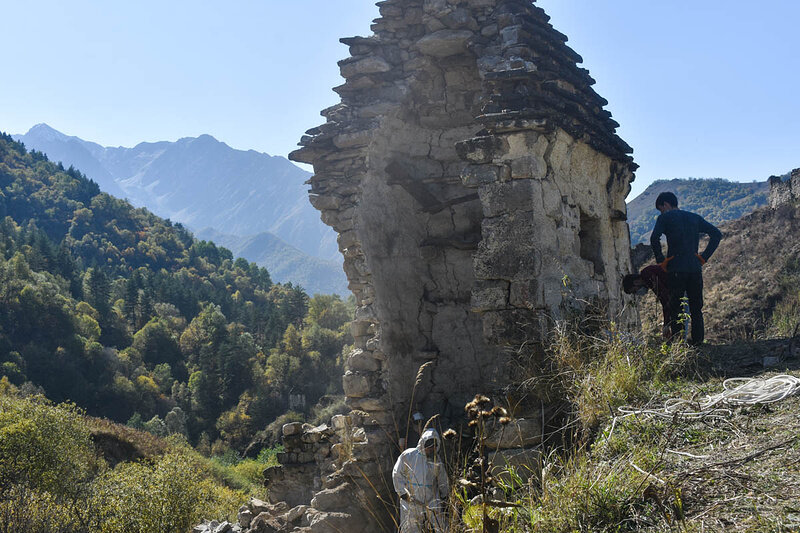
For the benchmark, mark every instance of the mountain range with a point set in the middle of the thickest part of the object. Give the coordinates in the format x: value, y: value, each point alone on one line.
x: 716, y: 200
x: 249, y: 197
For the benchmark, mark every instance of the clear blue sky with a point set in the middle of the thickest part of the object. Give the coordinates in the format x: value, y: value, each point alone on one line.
x: 707, y: 88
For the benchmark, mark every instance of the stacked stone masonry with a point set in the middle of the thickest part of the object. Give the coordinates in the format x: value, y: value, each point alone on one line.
x: 784, y: 192
x: 478, y: 188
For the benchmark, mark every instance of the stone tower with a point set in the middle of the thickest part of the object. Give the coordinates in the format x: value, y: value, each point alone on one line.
x: 784, y: 192
x: 471, y: 173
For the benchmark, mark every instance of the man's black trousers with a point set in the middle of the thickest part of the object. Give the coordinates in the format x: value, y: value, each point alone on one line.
x: 689, y: 284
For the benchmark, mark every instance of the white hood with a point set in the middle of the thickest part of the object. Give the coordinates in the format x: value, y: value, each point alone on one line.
x: 428, y: 434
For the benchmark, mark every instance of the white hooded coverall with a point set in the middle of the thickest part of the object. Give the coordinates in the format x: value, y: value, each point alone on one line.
x: 425, y: 482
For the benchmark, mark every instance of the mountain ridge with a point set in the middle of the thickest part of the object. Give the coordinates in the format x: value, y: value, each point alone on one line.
x: 202, y: 182
x: 717, y: 200
x: 284, y: 262
x: 188, y: 180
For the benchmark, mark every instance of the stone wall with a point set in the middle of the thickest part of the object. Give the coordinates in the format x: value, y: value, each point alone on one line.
x: 784, y: 192
x: 477, y: 187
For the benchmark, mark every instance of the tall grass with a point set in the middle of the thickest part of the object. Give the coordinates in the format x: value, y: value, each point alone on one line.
x: 599, y: 372
x: 587, y: 480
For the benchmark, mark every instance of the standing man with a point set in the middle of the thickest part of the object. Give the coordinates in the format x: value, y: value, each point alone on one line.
x: 683, y: 263
x: 420, y: 480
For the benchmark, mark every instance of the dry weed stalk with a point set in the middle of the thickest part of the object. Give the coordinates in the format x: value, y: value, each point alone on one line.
x: 417, y: 382
x: 479, y: 411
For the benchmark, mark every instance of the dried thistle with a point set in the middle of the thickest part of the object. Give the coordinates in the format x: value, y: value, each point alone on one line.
x: 499, y: 412
x: 482, y: 401
x: 485, y: 414
x: 473, y: 423
x: 504, y: 420
x: 449, y: 434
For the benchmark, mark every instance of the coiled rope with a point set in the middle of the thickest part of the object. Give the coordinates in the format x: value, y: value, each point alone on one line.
x: 737, y: 391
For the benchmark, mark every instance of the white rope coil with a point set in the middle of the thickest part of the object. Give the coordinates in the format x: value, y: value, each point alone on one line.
x: 737, y: 391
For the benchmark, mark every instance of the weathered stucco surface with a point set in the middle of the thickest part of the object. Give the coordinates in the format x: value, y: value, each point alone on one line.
x: 470, y: 172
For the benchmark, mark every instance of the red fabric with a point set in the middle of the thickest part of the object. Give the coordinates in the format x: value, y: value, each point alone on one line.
x: 655, y: 279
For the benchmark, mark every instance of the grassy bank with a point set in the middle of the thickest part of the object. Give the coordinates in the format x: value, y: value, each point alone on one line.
x: 726, y: 471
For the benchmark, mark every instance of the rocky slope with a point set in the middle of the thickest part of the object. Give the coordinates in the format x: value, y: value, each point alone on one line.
x: 754, y: 270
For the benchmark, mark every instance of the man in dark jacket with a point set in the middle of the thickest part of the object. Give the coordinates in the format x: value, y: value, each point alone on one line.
x: 683, y: 263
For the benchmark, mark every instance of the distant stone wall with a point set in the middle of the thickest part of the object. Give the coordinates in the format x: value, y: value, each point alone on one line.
x: 784, y: 192
x: 477, y: 187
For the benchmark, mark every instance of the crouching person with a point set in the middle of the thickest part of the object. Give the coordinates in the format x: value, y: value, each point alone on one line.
x: 420, y: 479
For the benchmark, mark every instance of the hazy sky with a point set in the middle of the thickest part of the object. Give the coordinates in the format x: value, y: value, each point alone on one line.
x: 702, y: 88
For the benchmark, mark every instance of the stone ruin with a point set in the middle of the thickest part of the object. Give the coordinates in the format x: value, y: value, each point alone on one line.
x: 784, y: 192
x: 478, y: 189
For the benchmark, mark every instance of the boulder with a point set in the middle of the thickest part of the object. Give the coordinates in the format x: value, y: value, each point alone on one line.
x: 367, y: 65
x: 332, y: 499
x: 245, y: 516
x: 205, y: 527
x: 321, y: 522
x: 296, y: 514
x: 355, y: 385
x: 273, y: 509
x: 292, y: 428
x: 266, y: 523
x: 224, y: 527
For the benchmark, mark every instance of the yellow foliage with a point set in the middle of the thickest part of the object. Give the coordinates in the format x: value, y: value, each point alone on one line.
x: 146, y: 384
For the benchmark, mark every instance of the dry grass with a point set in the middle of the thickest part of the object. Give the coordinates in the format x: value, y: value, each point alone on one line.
x: 735, y: 474
x: 745, y: 279
x: 740, y: 473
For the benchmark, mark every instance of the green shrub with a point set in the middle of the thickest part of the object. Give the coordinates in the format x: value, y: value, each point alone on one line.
x: 43, y: 446
x: 46, y: 464
x: 52, y: 480
x: 269, y: 456
x: 170, y: 494
x: 27, y: 510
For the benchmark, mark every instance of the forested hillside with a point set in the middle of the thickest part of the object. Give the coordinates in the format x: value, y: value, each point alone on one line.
x: 258, y: 203
x: 200, y: 182
x: 133, y: 319
x: 717, y: 200
x: 284, y: 262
